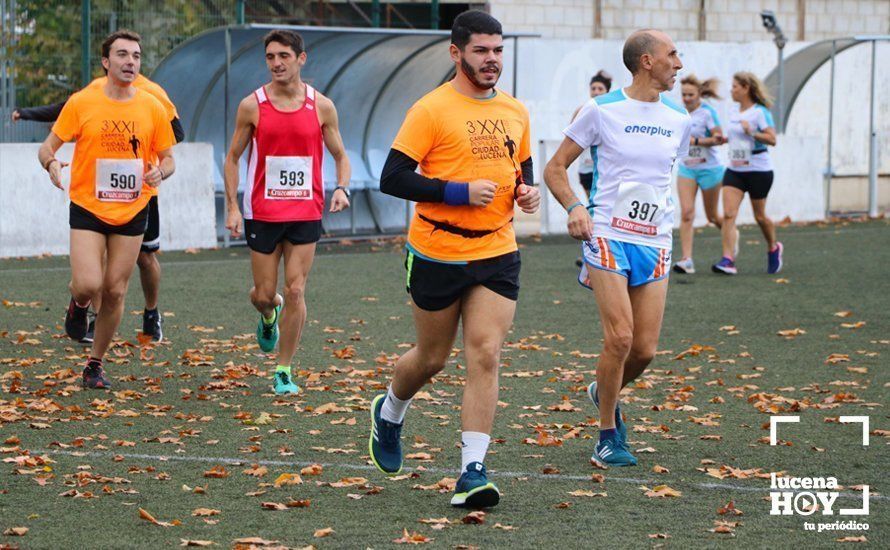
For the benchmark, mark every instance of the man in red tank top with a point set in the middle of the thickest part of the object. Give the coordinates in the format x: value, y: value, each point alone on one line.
x: 286, y: 123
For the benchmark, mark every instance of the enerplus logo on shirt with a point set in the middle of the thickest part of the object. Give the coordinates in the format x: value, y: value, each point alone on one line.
x: 650, y: 130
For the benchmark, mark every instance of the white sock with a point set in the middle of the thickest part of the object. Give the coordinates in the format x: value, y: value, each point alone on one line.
x: 474, y: 445
x: 394, y: 409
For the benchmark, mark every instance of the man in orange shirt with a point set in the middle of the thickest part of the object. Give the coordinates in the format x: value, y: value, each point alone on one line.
x: 120, y: 131
x: 149, y: 266
x: 472, y: 143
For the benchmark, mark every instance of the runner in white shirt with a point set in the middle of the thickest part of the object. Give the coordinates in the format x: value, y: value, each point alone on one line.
x: 600, y: 84
x: 701, y: 168
x: 636, y: 135
x: 750, y: 170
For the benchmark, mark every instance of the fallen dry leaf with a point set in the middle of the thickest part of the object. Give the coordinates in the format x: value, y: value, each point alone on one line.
x: 412, y: 538
x: 247, y: 542
x: 217, y: 472
x: 474, y: 518
x: 661, y: 491
x: 860, y: 538
x: 729, y: 509
x: 443, y: 521
x: 256, y: 471
x: 205, y: 512
x: 586, y: 493
x: 188, y: 542
x: 288, y: 479
x: 16, y: 532
x: 151, y: 519
x: 349, y: 482
x: 326, y: 532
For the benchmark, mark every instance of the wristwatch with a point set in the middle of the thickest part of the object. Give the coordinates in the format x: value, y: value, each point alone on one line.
x: 345, y: 190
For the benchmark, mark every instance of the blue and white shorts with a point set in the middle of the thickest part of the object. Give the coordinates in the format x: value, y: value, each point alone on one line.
x: 638, y: 263
x: 706, y: 178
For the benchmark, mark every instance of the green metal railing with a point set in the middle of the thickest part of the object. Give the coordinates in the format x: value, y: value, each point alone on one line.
x: 52, y: 50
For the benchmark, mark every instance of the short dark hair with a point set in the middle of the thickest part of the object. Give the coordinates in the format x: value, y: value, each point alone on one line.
x: 473, y: 22
x: 604, y: 78
x: 286, y: 38
x: 637, y: 44
x: 126, y: 34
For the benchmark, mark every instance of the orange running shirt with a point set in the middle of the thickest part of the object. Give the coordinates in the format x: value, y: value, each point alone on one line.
x: 159, y: 93
x: 458, y: 138
x: 110, y: 136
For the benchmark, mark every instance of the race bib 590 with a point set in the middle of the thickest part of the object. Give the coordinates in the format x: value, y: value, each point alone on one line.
x: 118, y: 180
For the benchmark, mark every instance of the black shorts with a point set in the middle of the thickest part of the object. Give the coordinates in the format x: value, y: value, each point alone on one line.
x: 756, y: 184
x: 435, y: 285
x: 263, y: 237
x: 586, y: 181
x: 81, y: 218
x: 151, y: 242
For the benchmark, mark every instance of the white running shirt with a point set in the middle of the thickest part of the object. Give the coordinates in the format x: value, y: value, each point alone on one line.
x: 634, y: 145
x: 704, y: 119
x: 745, y: 153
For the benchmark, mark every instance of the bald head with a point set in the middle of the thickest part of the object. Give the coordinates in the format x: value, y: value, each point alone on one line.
x: 639, y: 43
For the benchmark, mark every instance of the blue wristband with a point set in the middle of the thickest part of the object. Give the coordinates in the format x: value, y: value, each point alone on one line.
x: 457, y: 194
x: 572, y: 207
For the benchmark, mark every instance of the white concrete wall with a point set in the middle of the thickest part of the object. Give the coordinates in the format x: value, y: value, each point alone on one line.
x: 797, y: 192
x: 34, y: 214
x: 553, y: 82
x: 725, y: 20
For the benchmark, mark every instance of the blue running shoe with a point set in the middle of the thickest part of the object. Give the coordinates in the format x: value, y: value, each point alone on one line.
x: 473, y: 490
x: 619, y: 422
x: 267, y: 335
x: 384, y: 443
x: 284, y: 385
x: 774, y: 259
x: 725, y: 266
x: 611, y: 452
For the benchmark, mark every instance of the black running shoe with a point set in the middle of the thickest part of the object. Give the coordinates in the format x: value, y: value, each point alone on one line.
x: 151, y: 325
x: 76, y: 321
x: 94, y: 377
x: 91, y: 330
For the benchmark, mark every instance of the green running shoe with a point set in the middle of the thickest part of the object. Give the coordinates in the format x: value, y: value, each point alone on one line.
x: 384, y: 443
x: 612, y: 452
x: 473, y: 490
x: 267, y: 335
x: 619, y: 422
x: 284, y: 385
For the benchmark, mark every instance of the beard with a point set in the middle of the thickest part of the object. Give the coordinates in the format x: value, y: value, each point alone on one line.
x: 472, y: 74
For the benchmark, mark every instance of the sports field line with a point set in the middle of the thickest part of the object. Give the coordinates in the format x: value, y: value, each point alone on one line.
x: 438, y: 471
x: 349, y: 255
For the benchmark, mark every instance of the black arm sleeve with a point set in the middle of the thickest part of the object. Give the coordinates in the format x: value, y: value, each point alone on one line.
x: 178, y: 132
x: 44, y: 113
x: 528, y: 171
x: 400, y: 180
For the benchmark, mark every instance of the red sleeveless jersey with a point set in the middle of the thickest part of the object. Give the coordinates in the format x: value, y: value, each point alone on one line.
x: 284, y: 171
